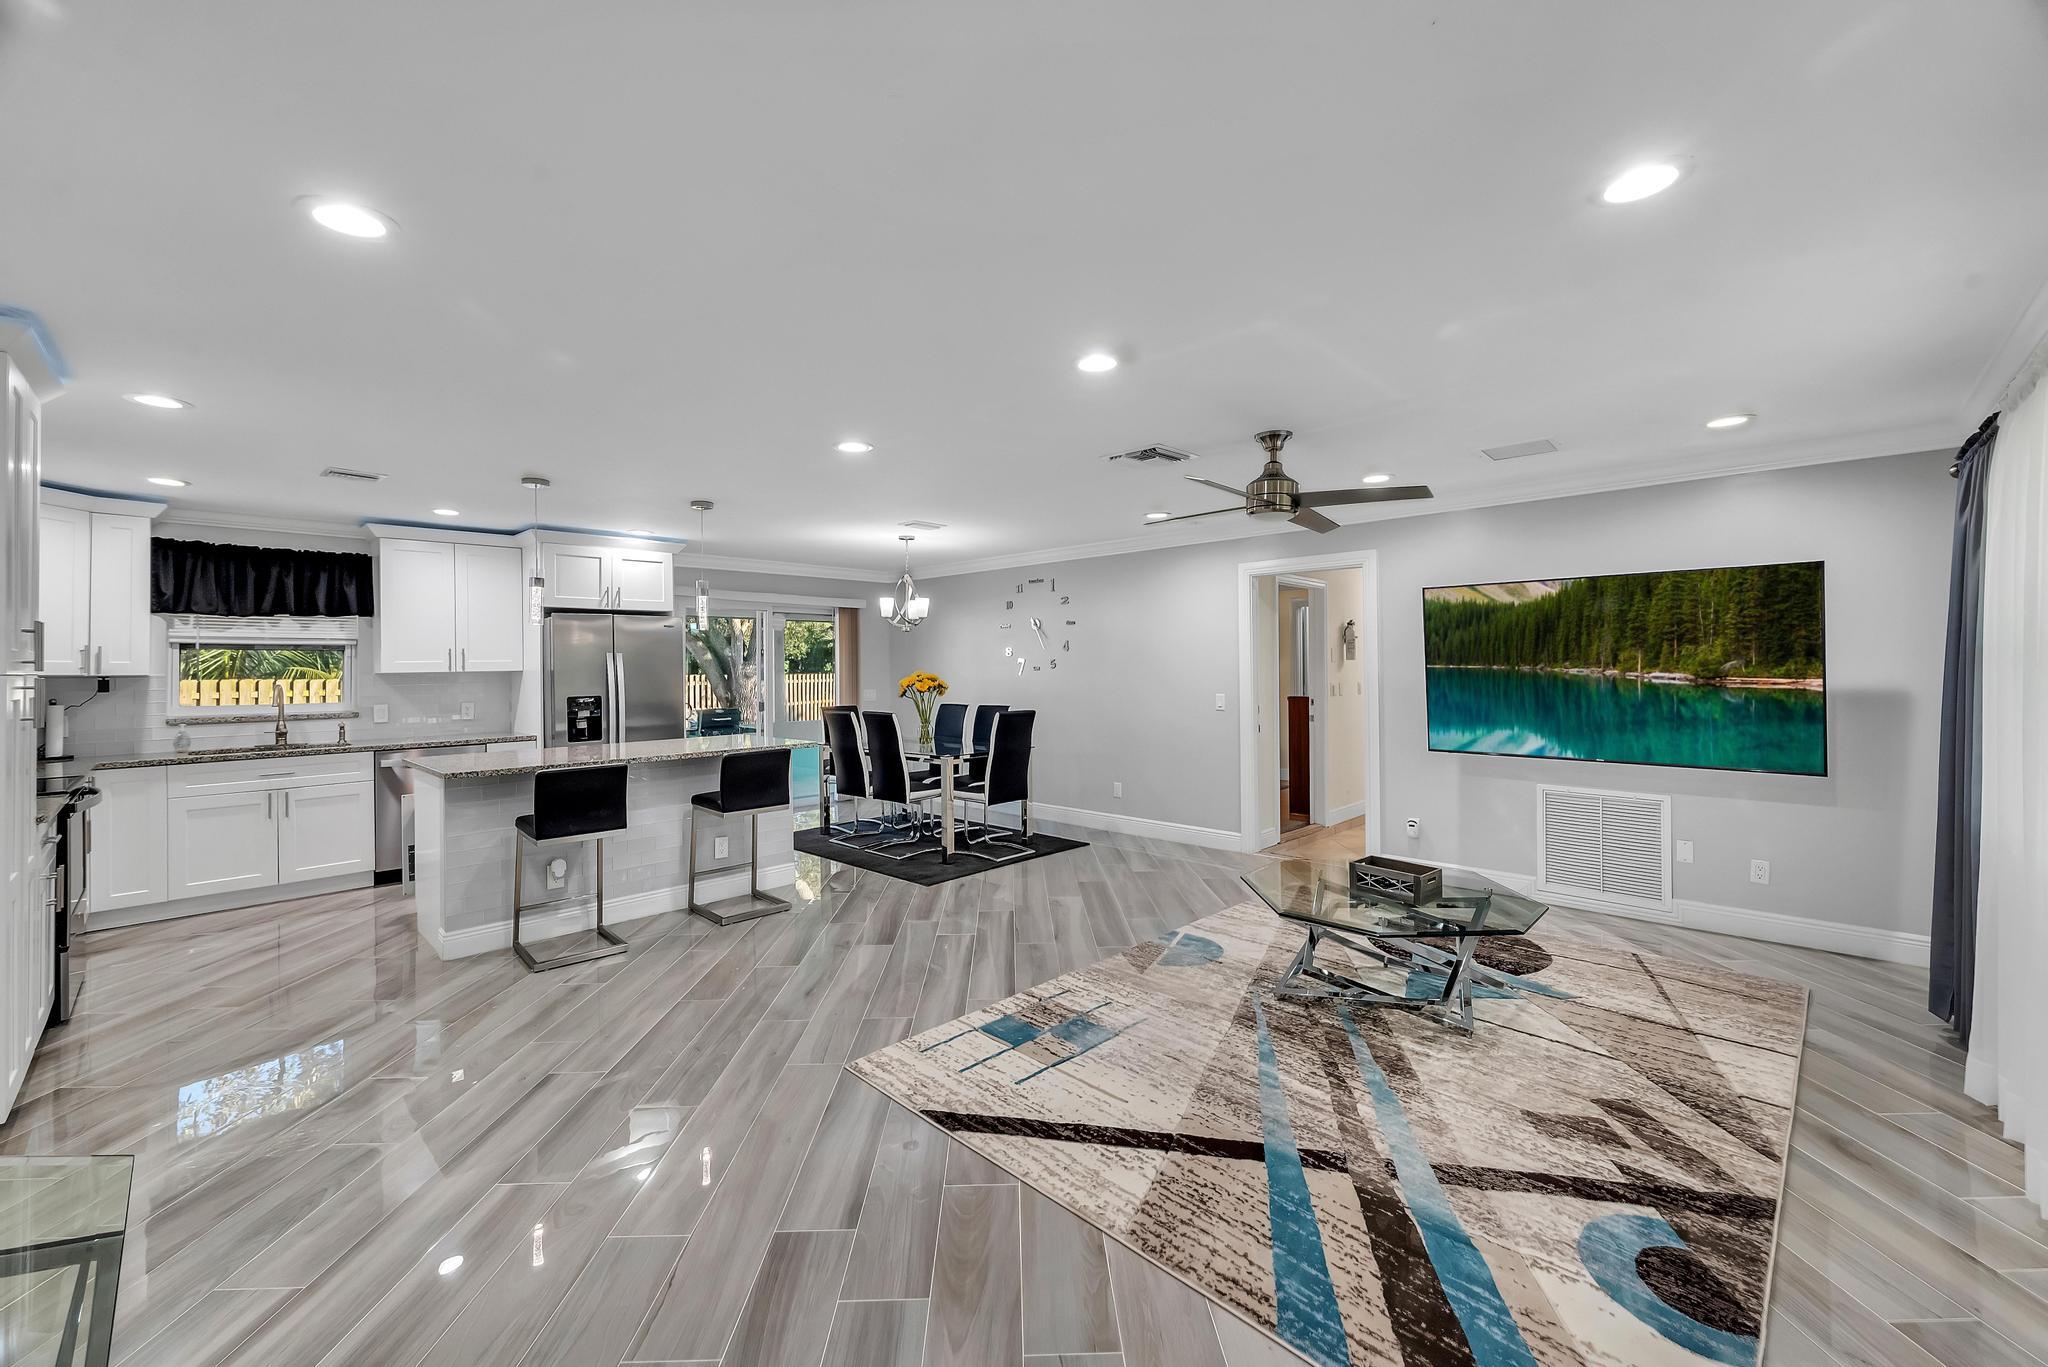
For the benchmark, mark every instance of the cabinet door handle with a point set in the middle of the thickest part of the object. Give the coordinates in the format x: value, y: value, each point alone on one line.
x: 99, y: 659
x: 465, y: 657
x: 35, y: 644
x: 287, y: 804
x: 84, y: 660
x: 451, y: 659
x: 270, y: 806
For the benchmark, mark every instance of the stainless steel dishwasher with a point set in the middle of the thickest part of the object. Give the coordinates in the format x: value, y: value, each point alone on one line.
x: 394, y: 808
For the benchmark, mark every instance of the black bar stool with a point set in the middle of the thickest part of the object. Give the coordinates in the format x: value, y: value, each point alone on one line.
x: 750, y: 782
x: 570, y: 806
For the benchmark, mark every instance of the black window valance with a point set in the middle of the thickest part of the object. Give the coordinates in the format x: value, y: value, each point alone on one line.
x: 257, y: 581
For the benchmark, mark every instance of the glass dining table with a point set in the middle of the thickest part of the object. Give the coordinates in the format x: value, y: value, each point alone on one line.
x: 67, y: 1216
x: 1429, y: 945
x: 951, y: 767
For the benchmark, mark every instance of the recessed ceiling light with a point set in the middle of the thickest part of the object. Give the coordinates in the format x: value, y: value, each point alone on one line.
x: 350, y: 220
x: 447, y: 512
x: 855, y: 448
x: 1640, y: 182
x: 156, y: 401
x: 168, y: 482
x: 1155, y: 517
x: 1096, y: 362
x: 1728, y: 420
x: 1377, y: 479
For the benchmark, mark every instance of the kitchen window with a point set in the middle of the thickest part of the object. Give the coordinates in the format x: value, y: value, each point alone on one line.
x: 239, y: 666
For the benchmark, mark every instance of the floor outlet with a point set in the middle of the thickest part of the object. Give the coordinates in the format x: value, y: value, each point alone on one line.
x: 721, y: 847
x: 1759, y: 870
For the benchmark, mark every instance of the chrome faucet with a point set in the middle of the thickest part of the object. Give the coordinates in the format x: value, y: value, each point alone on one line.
x: 283, y: 735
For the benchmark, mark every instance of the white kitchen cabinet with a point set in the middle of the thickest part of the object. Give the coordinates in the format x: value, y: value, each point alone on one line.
x: 94, y: 592
x: 130, y: 832
x: 606, y: 579
x: 643, y: 581
x: 447, y: 607
x: 65, y: 556
x: 415, y: 607
x: 490, y: 609
x: 22, y: 438
x: 579, y: 577
x: 226, y: 842
x: 325, y: 832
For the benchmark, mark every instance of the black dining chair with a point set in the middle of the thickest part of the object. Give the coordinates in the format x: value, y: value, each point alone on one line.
x: 984, y: 727
x: 890, y: 780
x: 570, y: 807
x: 849, y: 773
x: 1006, y: 779
x: 750, y: 782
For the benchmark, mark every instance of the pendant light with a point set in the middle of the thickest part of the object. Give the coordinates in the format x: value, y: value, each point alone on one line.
x: 906, y: 607
x: 703, y: 506
x: 536, y: 587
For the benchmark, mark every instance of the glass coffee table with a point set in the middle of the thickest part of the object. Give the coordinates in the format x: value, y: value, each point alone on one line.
x: 1318, y: 895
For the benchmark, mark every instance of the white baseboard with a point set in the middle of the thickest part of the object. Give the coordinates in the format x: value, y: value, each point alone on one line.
x: 224, y: 901
x: 1337, y: 816
x: 562, y: 920
x: 1772, y: 927
x: 1206, y: 836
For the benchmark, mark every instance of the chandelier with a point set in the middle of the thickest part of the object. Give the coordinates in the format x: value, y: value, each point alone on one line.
x: 906, y: 607
x: 703, y: 506
x: 537, y: 586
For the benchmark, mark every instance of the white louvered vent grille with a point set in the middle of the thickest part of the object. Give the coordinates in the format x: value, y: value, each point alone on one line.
x: 1604, y: 847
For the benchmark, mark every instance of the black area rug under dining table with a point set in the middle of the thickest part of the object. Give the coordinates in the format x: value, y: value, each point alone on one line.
x: 926, y: 867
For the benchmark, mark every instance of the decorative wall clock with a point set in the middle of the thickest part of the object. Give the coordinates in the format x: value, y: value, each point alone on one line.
x: 1037, y: 613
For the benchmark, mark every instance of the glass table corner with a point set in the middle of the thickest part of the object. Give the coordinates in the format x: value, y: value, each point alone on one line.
x: 1434, y: 942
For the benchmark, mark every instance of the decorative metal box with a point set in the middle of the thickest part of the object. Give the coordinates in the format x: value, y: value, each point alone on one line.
x: 1397, y: 880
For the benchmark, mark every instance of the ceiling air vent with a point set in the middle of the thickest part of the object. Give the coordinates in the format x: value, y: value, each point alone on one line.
x: 1542, y: 446
x: 921, y: 526
x: 1151, y: 453
x: 359, y: 476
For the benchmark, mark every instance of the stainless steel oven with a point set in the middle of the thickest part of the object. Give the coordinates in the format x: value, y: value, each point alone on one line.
x: 72, y: 834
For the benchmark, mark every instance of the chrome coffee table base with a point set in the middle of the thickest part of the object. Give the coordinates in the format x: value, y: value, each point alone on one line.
x: 1306, y: 979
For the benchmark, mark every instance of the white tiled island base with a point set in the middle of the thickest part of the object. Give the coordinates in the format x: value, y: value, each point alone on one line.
x: 464, y: 806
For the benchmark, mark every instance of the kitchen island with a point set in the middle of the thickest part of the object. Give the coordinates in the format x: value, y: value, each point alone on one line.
x: 463, y: 839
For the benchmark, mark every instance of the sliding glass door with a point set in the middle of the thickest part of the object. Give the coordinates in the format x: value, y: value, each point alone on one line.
x: 804, y: 662
x: 726, y: 674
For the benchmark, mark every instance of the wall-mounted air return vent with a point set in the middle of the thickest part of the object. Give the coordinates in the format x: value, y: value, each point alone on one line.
x: 1604, y: 849
x: 922, y: 526
x: 1148, y: 453
x: 359, y: 476
x: 1542, y: 446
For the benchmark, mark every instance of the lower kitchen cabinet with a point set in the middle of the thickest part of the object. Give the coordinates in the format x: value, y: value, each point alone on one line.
x: 325, y: 832
x: 223, y: 842
x: 130, y: 829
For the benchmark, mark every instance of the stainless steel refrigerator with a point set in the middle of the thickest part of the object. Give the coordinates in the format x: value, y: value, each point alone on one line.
x: 615, y: 677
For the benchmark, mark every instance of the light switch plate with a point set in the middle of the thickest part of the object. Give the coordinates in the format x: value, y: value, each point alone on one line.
x: 381, y: 712
x: 1219, y: 702
x: 1685, y: 851
x: 466, y: 712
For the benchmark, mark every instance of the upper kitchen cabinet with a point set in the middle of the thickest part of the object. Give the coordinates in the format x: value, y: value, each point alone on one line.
x: 446, y: 607
x: 93, y: 555
x: 608, y: 579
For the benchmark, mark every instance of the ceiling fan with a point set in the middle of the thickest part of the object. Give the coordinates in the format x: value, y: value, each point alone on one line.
x: 1275, y: 497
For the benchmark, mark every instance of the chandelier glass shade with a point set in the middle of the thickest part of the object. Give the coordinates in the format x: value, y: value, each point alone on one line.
x: 906, y: 607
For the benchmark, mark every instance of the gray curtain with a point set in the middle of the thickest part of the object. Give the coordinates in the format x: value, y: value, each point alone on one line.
x: 1952, y: 951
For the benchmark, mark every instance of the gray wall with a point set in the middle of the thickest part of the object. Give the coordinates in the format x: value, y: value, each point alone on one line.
x: 1156, y: 640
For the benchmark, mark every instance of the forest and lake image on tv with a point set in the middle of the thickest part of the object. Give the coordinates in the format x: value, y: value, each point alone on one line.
x: 1708, y: 669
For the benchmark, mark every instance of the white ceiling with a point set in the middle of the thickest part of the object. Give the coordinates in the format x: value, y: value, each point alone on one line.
x: 659, y: 251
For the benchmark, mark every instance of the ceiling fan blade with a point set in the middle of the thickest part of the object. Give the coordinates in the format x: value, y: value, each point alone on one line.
x: 1222, y: 488
x: 1162, y: 521
x: 1393, y: 493
x: 1313, y: 520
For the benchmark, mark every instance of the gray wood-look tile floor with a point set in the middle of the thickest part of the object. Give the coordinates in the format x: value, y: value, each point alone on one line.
x: 351, y: 1152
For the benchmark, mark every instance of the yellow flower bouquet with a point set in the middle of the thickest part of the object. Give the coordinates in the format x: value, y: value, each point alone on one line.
x: 924, y: 691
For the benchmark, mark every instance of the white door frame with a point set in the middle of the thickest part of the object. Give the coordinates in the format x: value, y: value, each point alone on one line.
x: 1315, y: 682
x: 1367, y: 565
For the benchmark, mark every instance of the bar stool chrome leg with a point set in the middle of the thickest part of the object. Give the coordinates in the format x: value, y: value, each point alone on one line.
x: 730, y: 910
x: 612, y: 943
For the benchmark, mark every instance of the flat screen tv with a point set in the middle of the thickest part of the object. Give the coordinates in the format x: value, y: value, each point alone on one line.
x: 1703, y: 669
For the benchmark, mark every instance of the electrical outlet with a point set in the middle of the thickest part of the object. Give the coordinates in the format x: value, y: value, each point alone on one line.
x: 721, y: 846
x: 380, y: 713
x: 1116, y: 790
x: 466, y: 712
x: 1759, y: 870
x: 557, y: 872
x: 1219, y: 702
x: 1685, y: 851
x: 1413, y: 827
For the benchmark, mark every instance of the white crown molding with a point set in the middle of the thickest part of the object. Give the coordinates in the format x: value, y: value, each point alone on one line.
x: 183, y: 516
x: 740, y: 565
x: 2008, y: 360
x: 60, y: 496
x: 1927, y: 437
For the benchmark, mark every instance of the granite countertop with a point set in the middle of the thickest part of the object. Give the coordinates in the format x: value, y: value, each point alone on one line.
x: 532, y: 761
x: 369, y: 747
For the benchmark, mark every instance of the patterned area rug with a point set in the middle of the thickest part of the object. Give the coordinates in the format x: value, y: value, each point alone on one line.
x: 1591, y: 1179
